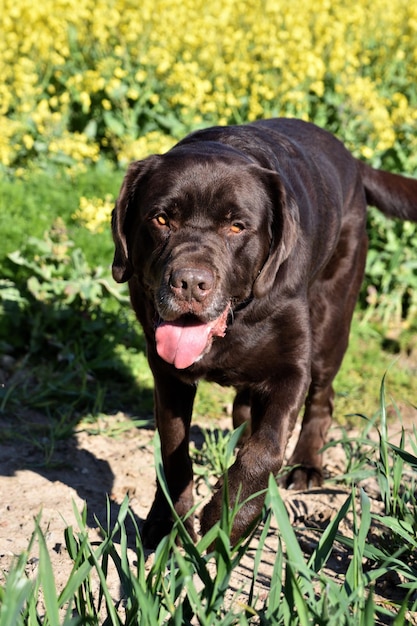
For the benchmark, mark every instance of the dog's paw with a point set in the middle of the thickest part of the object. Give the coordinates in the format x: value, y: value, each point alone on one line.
x: 155, y: 529
x: 211, y: 513
x: 246, y: 516
x: 302, y: 478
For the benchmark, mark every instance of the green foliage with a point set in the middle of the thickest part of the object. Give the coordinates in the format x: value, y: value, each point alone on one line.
x: 95, y: 79
x: 217, y: 450
x: 19, y: 594
x: 65, y: 323
x: 57, y: 291
x: 30, y: 204
x: 390, y: 290
x: 81, y: 79
x: 188, y: 585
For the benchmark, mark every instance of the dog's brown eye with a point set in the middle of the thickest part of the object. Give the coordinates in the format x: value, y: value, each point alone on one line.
x: 236, y: 228
x: 162, y: 220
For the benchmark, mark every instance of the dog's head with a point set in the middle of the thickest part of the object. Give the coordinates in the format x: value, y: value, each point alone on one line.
x: 204, y: 231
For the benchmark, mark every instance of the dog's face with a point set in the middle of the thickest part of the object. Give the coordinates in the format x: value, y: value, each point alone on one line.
x: 203, y: 233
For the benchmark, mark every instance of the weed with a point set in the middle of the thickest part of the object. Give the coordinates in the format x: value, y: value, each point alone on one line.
x: 216, y: 453
x: 66, y: 318
x: 191, y: 584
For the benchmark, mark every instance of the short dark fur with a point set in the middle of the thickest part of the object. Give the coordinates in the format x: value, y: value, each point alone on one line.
x: 264, y: 223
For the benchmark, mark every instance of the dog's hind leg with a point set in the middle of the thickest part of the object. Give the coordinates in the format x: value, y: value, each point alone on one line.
x: 333, y: 300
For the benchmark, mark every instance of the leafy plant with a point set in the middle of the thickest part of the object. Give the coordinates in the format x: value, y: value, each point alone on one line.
x: 90, y: 80
x: 391, y: 272
x: 69, y: 319
x: 216, y: 453
x: 188, y: 584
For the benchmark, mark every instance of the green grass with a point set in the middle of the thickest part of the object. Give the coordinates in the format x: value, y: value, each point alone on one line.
x: 370, y: 354
x: 188, y: 585
x: 31, y: 204
x: 71, y: 352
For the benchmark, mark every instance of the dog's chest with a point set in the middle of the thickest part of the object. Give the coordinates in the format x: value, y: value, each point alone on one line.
x: 244, y: 356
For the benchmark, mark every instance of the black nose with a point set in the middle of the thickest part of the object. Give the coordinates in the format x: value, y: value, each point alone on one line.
x: 192, y: 283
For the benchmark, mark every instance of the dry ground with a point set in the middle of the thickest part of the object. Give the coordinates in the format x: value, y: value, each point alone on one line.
x: 89, y: 466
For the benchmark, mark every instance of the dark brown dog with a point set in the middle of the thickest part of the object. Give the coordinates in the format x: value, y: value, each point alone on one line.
x: 244, y: 248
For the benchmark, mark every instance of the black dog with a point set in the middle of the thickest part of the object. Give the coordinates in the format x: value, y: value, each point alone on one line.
x: 244, y: 248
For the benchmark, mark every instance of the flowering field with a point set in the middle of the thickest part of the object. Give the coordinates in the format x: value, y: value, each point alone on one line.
x: 122, y: 78
x: 86, y: 86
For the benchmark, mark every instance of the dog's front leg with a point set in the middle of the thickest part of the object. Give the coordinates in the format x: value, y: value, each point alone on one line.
x: 273, y: 417
x: 173, y: 409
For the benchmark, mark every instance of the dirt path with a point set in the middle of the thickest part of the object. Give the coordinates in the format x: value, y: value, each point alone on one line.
x: 91, y: 465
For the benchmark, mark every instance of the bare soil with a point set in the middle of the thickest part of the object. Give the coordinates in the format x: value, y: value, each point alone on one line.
x: 87, y: 466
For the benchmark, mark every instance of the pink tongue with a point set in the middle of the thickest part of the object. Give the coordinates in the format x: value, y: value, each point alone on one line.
x: 181, y: 344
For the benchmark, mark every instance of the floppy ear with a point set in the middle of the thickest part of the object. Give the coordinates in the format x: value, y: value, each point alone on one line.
x: 284, y: 233
x: 121, y: 219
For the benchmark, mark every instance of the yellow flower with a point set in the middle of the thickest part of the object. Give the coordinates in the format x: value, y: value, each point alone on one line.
x: 175, y: 64
x: 366, y: 152
x: 85, y: 101
x: 94, y: 213
x: 28, y: 141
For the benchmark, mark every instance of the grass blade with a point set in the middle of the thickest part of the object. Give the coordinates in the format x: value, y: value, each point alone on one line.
x: 47, y: 578
x: 325, y: 545
x: 294, y: 552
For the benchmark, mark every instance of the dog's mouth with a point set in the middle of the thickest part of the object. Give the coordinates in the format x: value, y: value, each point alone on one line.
x: 186, y: 340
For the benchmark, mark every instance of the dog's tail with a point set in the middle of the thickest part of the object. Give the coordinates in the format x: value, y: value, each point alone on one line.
x: 394, y: 195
